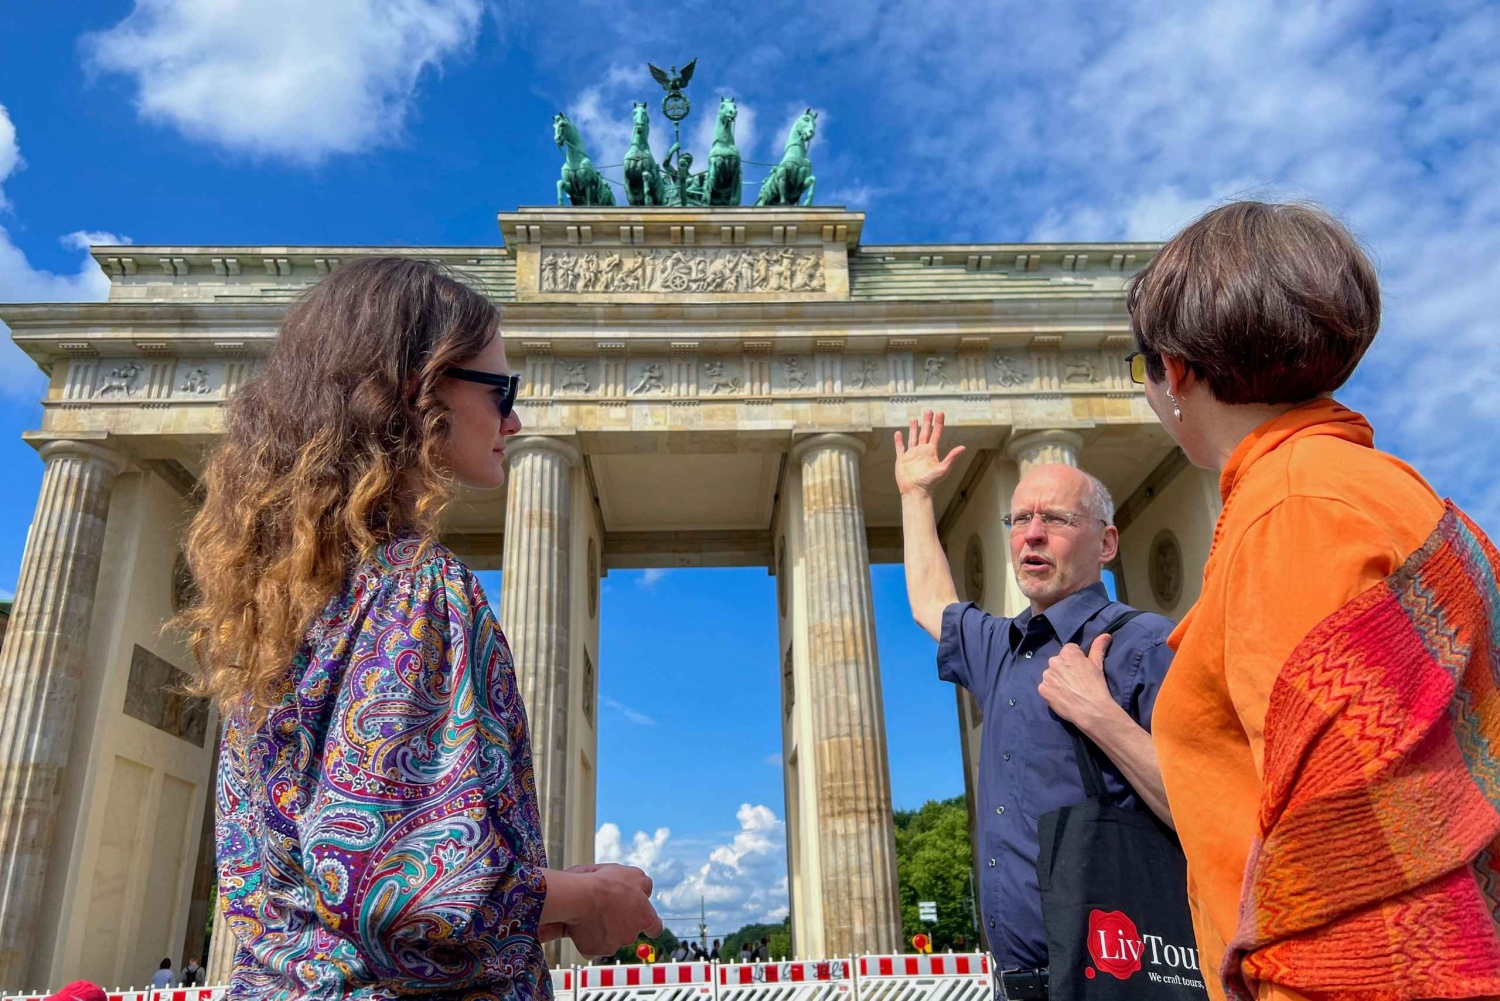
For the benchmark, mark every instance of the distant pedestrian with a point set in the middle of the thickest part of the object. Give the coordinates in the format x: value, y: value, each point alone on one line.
x: 163, y: 976
x: 747, y: 954
x: 192, y: 974
x: 713, y: 953
x: 765, y: 948
x: 680, y: 954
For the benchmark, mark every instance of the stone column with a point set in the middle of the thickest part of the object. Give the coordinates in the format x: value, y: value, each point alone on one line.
x: 1037, y: 448
x: 535, y: 609
x: 41, y: 667
x: 219, y: 964
x: 855, y: 827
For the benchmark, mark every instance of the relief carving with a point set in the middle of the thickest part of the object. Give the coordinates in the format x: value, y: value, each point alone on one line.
x: 674, y: 270
x: 716, y: 380
x: 865, y: 377
x: 650, y: 381
x: 936, y: 369
x: 796, y: 375
x: 576, y: 379
x: 120, y: 381
x: 196, y: 382
x: 1011, y: 372
x: 1080, y: 368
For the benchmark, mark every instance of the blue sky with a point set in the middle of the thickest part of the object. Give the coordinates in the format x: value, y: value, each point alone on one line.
x: 373, y: 122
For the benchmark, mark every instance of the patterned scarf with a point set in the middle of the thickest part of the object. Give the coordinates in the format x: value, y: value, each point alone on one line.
x: 1376, y: 874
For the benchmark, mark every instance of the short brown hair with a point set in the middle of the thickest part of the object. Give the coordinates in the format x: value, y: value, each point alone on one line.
x: 1266, y: 303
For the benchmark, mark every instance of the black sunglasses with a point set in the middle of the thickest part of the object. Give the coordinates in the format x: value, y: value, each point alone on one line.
x: 506, y: 386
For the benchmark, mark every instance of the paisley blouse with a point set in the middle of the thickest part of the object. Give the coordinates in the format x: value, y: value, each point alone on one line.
x: 378, y: 835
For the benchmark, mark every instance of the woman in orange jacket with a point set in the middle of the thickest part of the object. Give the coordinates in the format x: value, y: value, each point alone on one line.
x: 1329, y: 733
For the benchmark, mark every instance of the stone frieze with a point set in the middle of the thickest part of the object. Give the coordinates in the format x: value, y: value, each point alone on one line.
x: 682, y: 270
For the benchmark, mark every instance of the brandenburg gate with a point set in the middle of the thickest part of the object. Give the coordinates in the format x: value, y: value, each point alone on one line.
x: 704, y: 387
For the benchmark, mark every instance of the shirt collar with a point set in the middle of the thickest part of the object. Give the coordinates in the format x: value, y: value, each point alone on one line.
x: 1066, y: 615
x: 1324, y: 416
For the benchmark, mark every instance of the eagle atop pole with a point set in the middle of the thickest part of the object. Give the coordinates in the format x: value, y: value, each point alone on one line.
x: 676, y: 104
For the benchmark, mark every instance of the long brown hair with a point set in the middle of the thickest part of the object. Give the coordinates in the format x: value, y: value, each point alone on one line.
x: 335, y: 448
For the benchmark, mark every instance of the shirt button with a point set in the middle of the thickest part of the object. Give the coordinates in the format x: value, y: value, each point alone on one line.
x: 1006, y: 755
x: 992, y: 922
x: 999, y: 809
x: 1028, y: 654
x: 992, y: 863
x: 1012, y: 701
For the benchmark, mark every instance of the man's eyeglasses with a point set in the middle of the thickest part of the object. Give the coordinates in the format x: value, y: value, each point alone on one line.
x: 1137, y: 363
x: 505, y: 386
x: 1052, y: 521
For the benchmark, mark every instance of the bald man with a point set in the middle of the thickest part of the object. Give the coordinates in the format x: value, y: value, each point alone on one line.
x: 1029, y: 673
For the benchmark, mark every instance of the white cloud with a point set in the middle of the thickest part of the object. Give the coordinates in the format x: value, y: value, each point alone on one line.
x: 284, y: 78
x: 739, y: 881
x: 644, y: 852
x: 632, y: 715
x: 10, y: 152
x: 773, y: 759
x: 83, y: 239
x: 21, y: 282
x: 650, y: 577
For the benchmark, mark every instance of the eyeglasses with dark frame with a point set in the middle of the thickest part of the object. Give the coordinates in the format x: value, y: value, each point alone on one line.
x: 1137, y: 363
x: 505, y: 386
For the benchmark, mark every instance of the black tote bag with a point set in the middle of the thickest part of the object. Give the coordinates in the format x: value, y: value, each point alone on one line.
x: 1114, y: 896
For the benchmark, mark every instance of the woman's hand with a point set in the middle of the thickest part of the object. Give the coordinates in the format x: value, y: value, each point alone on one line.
x: 621, y: 910
x: 600, y: 907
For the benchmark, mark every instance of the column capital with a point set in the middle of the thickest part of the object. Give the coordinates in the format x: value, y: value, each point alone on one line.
x: 818, y: 442
x: 564, y: 447
x: 69, y: 448
x: 1033, y: 448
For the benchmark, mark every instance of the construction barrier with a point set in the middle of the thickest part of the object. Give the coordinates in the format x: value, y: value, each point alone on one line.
x: 950, y: 977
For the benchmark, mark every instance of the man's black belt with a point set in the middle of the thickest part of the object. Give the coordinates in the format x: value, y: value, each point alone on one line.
x: 1023, y: 985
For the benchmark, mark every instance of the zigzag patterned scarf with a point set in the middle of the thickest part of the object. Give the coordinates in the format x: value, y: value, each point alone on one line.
x: 1375, y: 873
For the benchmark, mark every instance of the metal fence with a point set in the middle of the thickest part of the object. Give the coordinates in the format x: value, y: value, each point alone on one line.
x: 948, y: 977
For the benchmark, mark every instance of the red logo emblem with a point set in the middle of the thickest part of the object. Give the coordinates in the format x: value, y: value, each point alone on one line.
x: 1114, y: 943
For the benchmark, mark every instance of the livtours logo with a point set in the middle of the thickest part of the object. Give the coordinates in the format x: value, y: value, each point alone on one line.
x: 1118, y: 948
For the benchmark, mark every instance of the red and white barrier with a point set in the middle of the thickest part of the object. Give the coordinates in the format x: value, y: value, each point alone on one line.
x: 655, y: 982
x: 941, y: 977
x: 821, y: 980
x: 963, y: 977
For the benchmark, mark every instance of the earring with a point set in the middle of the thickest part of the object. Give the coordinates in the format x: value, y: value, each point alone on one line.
x: 1176, y: 410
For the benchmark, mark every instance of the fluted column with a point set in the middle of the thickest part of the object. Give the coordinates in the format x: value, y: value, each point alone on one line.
x: 41, y: 667
x: 535, y: 605
x: 855, y: 827
x: 219, y: 964
x: 1038, y: 448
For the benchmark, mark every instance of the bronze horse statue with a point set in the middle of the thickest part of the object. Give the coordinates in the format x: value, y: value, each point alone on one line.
x: 643, y: 180
x: 724, y: 184
x: 792, y: 179
x: 580, y: 182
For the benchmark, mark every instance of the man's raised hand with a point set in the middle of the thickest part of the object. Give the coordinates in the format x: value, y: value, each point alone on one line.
x: 918, y: 466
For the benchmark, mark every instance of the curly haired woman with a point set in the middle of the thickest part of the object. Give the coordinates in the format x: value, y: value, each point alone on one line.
x: 378, y: 830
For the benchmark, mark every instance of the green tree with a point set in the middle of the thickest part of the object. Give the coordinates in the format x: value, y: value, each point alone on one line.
x: 933, y: 862
x: 780, y: 945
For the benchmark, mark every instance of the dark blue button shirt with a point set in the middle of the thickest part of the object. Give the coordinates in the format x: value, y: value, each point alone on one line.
x: 1026, y: 762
